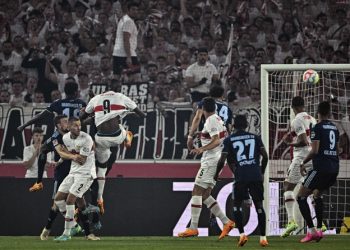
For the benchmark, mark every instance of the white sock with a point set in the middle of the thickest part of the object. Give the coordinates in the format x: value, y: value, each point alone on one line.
x: 263, y: 238
x: 101, y: 179
x: 213, y: 206
x: 242, y: 234
x: 61, y: 206
x: 196, y: 208
x: 289, y: 201
x: 69, y: 219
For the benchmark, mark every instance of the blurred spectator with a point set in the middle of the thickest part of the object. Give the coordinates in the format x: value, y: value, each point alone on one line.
x: 335, y: 30
x: 18, y: 45
x: 17, y: 97
x: 84, y: 86
x: 38, y: 97
x: 152, y: 70
x: 55, y: 95
x: 11, y: 61
x: 255, y: 96
x: 200, y: 75
x: 283, y: 49
x: 60, y: 78
x: 32, y: 84
x: 4, y: 96
x: 217, y: 56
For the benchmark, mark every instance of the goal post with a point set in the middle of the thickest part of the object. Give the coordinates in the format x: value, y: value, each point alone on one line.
x: 279, y: 84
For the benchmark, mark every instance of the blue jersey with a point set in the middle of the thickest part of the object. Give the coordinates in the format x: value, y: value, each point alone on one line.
x: 222, y: 110
x: 62, y: 170
x: 243, y: 149
x: 68, y: 107
x: 326, y: 159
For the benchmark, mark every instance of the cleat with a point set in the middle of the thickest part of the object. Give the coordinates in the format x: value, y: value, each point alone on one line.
x: 324, y: 227
x: 63, y: 237
x: 91, y: 209
x: 101, y: 206
x: 319, y: 235
x: 310, y: 237
x: 128, y: 139
x: 96, y: 226
x: 290, y: 228
x: 45, y: 234
x: 188, y: 233
x: 264, y: 243
x: 227, y: 228
x: 92, y: 237
x: 242, y: 240
x: 36, y: 187
x: 76, y: 230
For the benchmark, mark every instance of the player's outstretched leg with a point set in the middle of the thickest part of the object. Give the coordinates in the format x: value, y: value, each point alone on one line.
x: 289, y: 201
x: 238, y: 217
x: 101, y: 180
x: 262, y: 223
x: 52, y: 216
x: 41, y: 167
x: 312, y: 233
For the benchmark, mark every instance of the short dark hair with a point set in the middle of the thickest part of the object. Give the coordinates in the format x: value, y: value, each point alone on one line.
x: 240, y: 122
x: 202, y: 50
x: 216, y: 91
x: 73, y: 119
x: 132, y: 4
x: 209, y: 104
x: 324, y: 108
x: 70, y: 88
x: 58, y: 119
x: 297, y: 101
x: 37, y: 130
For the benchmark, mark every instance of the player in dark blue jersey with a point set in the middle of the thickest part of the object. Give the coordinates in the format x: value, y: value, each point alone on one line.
x: 242, y: 151
x: 222, y: 110
x: 325, y: 160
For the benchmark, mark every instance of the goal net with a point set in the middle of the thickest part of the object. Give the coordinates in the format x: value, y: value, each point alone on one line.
x: 280, y: 83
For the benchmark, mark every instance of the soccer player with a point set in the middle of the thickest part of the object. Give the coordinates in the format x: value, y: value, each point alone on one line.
x: 109, y: 108
x: 70, y: 106
x: 325, y: 161
x: 213, y: 133
x: 79, y: 149
x: 222, y: 110
x: 300, y: 131
x: 242, y: 151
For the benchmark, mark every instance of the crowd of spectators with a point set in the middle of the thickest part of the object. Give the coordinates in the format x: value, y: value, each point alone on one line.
x: 46, y: 43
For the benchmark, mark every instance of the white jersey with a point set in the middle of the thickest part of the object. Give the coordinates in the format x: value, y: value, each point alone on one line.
x: 302, y: 123
x: 126, y: 24
x: 213, y: 126
x: 82, y: 145
x: 109, y: 105
x: 32, y: 172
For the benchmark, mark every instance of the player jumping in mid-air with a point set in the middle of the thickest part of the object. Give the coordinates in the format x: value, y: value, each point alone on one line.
x: 325, y: 161
x: 213, y: 133
x: 300, y: 130
x: 242, y: 151
x: 109, y: 108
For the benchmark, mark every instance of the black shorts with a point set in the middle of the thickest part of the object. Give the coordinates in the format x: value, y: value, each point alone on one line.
x: 119, y: 64
x: 319, y: 180
x: 241, y: 190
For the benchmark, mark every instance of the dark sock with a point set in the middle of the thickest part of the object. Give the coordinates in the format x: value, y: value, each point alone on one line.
x: 52, y: 216
x: 84, y: 219
x: 319, y: 211
x: 262, y: 220
x: 95, y: 218
x: 41, y: 166
x: 237, y: 217
x: 111, y: 159
x: 305, y: 211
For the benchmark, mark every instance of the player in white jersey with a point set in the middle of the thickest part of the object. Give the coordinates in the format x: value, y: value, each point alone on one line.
x: 79, y: 149
x: 299, y: 140
x: 108, y: 108
x: 212, y: 136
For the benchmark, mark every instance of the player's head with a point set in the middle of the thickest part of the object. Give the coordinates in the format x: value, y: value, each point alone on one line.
x: 61, y: 123
x: 324, y: 110
x: 132, y: 9
x: 216, y: 91
x: 240, y: 122
x: 71, y: 88
x: 37, y: 135
x: 74, y: 125
x: 209, y: 105
x: 298, y: 103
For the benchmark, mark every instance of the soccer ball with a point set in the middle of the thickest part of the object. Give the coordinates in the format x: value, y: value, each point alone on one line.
x: 311, y: 76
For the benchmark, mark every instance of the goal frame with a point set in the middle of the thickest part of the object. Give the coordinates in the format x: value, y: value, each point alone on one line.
x: 264, y: 80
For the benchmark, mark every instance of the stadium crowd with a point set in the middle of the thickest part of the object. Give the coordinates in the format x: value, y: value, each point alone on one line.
x: 44, y: 44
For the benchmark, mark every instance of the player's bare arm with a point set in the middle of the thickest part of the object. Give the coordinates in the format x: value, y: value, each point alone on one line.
x: 301, y: 141
x: 215, y: 141
x: 36, y: 118
x: 220, y: 165
x: 194, y: 126
x: 264, y: 160
x: 68, y: 155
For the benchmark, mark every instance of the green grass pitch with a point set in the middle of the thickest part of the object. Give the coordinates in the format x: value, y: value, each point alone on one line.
x: 338, y: 242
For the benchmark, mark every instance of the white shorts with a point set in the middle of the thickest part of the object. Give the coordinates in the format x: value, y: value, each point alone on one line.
x: 75, y: 185
x: 206, y: 174
x: 104, y: 143
x: 293, y: 175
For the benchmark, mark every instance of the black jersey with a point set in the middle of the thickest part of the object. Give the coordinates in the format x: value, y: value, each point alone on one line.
x: 61, y: 170
x: 68, y: 107
x: 243, y: 149
x: 326, y: 159
x: 222, y: 110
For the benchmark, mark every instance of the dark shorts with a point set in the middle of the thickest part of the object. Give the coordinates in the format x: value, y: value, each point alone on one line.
x: 56, y: 185
x: 197, y: 96
x: 119, y: 64
x: 241, y: 190
x: 319, y: 180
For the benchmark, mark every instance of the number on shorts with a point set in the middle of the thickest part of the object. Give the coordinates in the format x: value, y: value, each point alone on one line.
x: 80, y: 187
x: 106, y: 106
x: 201, y: 172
